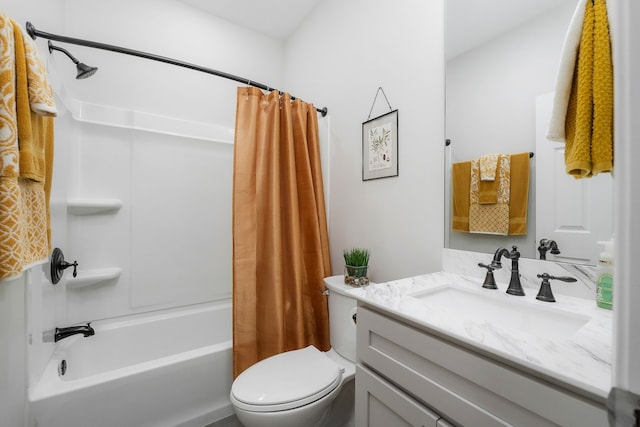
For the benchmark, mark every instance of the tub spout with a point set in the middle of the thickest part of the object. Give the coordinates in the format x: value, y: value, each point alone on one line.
x: 62, y: 333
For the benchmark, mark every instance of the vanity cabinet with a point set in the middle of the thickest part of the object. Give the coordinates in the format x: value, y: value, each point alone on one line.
x: 409, y: 375
x: 383, y: 405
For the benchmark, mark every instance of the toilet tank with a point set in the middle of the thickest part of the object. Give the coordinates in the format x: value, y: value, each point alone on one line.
x: 342, y: 326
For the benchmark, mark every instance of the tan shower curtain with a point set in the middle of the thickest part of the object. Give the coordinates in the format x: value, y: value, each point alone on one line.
x: 280, y: 241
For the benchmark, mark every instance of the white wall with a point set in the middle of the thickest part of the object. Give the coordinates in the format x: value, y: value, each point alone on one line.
x: 338, y: 58
x: 491, y: 97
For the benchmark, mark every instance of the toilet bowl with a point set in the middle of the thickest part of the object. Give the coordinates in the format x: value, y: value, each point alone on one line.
x: 304, y: 387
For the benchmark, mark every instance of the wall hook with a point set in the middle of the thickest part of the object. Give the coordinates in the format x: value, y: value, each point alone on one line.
x: 58, y: 265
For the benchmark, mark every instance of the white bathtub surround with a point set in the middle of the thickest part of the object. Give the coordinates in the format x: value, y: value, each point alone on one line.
x: 466, y: 263
x: 169, y: 368
x: 581, y: 363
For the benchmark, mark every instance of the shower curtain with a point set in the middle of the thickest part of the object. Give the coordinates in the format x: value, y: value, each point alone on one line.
x: 280, y: 239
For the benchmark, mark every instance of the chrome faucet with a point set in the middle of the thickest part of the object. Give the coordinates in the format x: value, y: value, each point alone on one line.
x: 62, y: 333
x: 515, y: 288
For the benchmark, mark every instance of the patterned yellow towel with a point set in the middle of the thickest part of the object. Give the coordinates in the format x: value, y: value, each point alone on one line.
x: 40, y: 92
x: 25, y: 155
x: 488, y: 188
x: 488, y: 167
x: 589, y: 121
x: 11, y: 219
x: 35, y: 112
x: 9, y: 160
x: 490, y: 218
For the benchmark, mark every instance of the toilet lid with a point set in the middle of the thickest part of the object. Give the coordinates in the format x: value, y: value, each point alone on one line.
x: 286, y: 381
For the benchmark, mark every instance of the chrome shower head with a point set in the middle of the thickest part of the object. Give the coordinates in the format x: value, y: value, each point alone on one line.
x: 84, y: 70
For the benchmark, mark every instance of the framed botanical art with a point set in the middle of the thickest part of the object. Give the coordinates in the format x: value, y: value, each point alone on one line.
x: 380, y: 147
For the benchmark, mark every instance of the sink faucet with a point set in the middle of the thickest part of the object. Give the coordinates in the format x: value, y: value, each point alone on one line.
x: 545, y: 245
x: 515, y: 288
x: 62, y: 333
x: 545, y: 293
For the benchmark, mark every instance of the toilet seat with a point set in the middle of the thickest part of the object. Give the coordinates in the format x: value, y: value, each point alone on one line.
x: 286, y: 381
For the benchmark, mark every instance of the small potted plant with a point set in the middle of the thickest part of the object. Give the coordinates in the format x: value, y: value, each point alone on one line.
x: 356, y: 266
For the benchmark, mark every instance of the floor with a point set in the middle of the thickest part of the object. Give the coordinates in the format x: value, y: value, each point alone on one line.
x: 231, y: 421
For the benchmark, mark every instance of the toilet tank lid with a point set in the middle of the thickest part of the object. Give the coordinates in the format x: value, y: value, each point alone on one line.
x: 286, y: 379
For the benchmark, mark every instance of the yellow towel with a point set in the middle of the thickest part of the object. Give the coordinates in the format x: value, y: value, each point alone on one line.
x: 460, y: 184
x: 602, y: 141
x: 519, y: 194
x: 11, y: 242
x: 35, y: 112
x: 589, y: 121
x: 40, y: 92
x: 9, y: 160
x: 488, y: 189
x: 488, y: 167
x: 490, y: 218
x: 488, y: 192
x: 25, y: 155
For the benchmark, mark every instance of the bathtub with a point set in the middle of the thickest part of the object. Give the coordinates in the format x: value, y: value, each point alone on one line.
x: 170, y: 368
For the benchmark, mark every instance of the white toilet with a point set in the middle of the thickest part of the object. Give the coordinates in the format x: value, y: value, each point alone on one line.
x: 306, y: 387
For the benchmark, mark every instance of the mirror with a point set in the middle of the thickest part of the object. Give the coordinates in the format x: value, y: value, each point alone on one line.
x: 501, y: 65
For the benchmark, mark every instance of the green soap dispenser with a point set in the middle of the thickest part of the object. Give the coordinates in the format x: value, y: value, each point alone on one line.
x: 604, y: 275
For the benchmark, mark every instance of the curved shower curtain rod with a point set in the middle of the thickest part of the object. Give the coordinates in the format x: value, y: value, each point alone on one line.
x: 37, y: 33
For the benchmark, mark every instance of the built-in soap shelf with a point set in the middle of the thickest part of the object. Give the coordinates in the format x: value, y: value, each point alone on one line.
x: 93, y: 277
x: 93, y: 206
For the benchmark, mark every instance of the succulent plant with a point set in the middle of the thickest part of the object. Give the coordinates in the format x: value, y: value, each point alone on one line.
x: 355, y: 259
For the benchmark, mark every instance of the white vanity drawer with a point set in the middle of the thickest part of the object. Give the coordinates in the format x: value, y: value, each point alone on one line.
x: 465, y: 387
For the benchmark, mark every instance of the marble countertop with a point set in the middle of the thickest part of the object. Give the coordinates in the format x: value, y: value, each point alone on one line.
x: 582, y: 361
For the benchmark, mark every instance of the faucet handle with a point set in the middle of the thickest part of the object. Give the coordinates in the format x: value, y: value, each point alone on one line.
x: 489, y: 280
x: 568, y: 279
x: 545, y: 293
x: 58, y: 265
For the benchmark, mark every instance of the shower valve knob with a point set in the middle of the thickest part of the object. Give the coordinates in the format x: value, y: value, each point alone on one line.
x: 66, y: 265
x: 58, y: 265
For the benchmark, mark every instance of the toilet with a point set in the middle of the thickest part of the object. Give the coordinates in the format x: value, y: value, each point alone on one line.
x: 305, y: 387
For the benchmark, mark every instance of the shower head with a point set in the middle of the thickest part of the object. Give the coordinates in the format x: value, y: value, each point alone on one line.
x: 84, y: 70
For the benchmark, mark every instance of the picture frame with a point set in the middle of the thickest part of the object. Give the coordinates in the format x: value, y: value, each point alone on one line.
x: 380, y: 147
